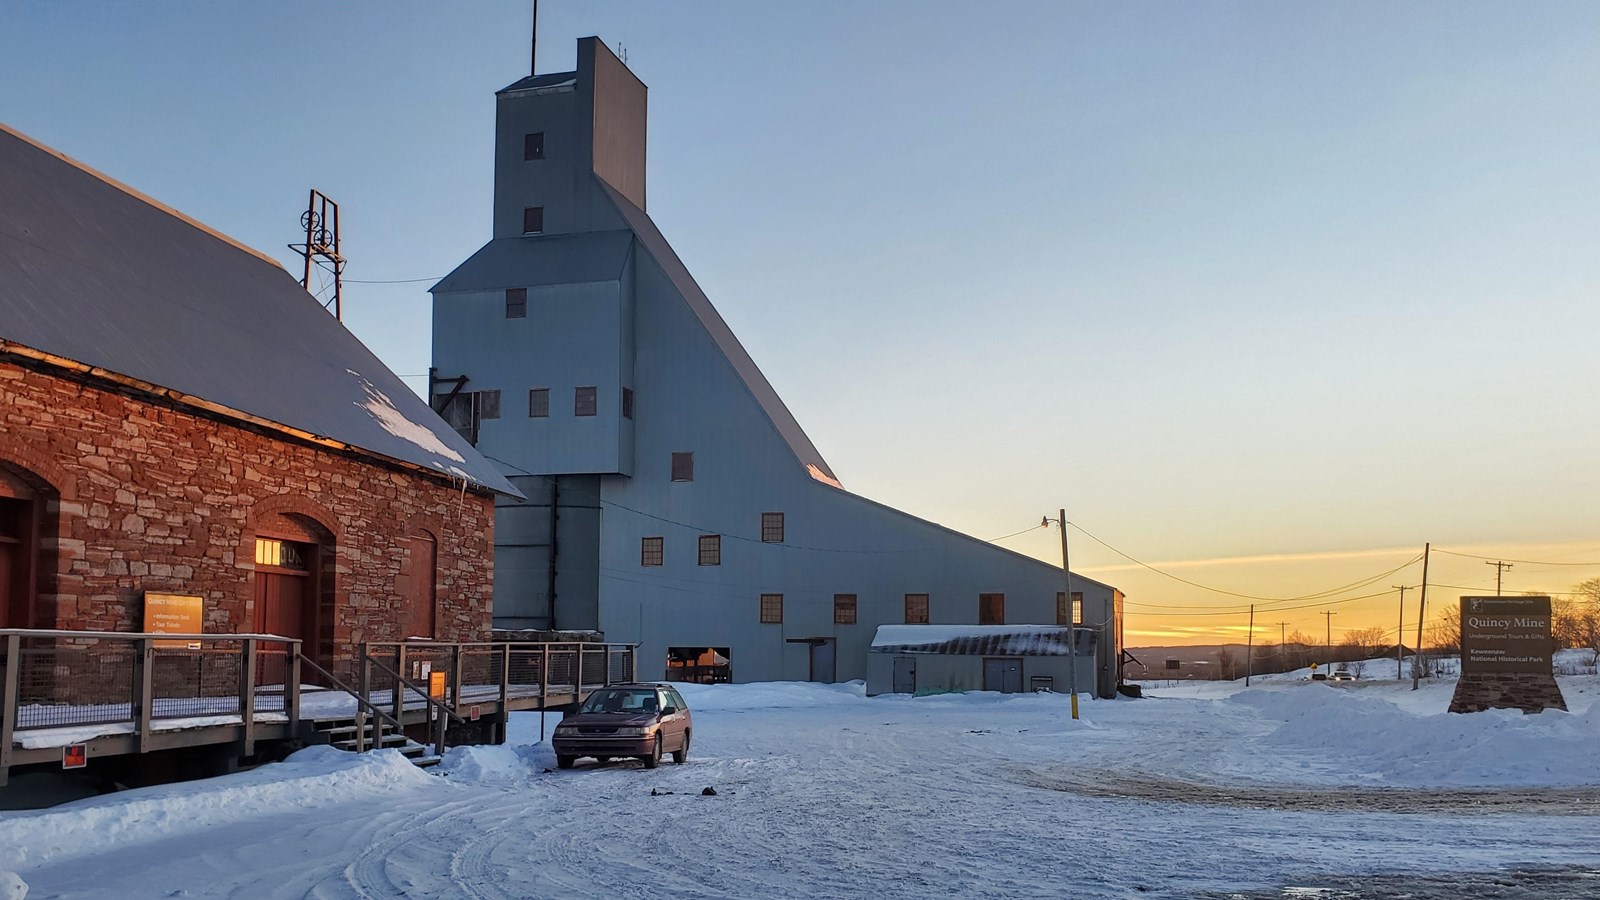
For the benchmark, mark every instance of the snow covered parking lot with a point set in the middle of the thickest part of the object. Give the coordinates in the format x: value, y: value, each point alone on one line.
x: 1201, y: 790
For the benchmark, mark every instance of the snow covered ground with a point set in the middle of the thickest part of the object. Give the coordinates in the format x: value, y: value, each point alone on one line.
x: 1203, y: 789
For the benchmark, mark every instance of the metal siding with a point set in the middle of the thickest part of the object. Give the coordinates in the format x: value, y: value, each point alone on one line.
x: 95, y: 274
x: 570, y: 338
x: 542, y: 260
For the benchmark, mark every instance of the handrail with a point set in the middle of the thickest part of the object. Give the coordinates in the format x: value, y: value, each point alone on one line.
x: 135, y: 635
x: 306, y: 660
x: 424, y: 694
x: 495, y: 644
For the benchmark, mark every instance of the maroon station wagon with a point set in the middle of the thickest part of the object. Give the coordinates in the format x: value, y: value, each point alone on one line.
x: 638, y: 720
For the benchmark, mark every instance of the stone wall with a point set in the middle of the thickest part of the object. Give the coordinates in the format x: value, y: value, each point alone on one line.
x: 147, y: 495
x: 1527, y: 691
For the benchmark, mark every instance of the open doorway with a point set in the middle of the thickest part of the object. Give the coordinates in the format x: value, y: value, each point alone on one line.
x: 700, y: 665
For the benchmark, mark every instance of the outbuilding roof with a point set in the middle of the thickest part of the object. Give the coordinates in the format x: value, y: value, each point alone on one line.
x: 96, y: 273
x: 974, y: 640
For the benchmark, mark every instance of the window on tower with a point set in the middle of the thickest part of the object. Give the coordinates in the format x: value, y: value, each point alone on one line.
x: 533, y: 146
x: 533, y: 220
x: 516, y: 303
x: 583, y: 401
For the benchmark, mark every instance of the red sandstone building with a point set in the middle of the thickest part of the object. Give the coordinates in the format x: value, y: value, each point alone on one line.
x: 178, y: 416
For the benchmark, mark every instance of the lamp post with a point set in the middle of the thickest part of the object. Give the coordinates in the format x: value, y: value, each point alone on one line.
x: 1072, y: 624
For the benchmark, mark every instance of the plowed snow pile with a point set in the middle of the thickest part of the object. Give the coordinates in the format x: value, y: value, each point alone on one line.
x: 1376, y: 740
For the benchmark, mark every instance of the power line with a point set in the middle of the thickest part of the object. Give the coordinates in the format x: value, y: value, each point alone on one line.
x: 1526, y: 562
x: 1234, y: 612
x: 1015, y: 533
x: 391, y: 280
x: 1206, y: 587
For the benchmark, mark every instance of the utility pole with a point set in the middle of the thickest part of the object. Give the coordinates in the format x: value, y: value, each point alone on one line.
x: 1422, y: 614
x: 1249, y: 647
x: 1500, y: 566
x: 1400, y: 634
x: 1283, y: 650
x: 1066, y: 572
x: 1328, y: 638
x: 1072, y: 633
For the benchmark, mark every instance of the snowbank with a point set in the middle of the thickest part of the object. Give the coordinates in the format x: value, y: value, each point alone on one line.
x: 314, y: 777
x: 1371, y: 737
x: 771, y: 695
x: 505, y: 765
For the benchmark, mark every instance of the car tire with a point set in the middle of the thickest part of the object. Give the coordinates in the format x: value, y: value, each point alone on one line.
x: 654, y: 759
x: 565, y: 762
x: 681, y: 755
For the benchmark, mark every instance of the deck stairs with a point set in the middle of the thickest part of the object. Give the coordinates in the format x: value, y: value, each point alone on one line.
x: 375, y: 735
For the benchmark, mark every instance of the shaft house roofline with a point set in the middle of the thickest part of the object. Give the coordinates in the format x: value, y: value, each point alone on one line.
x: 97, y: 278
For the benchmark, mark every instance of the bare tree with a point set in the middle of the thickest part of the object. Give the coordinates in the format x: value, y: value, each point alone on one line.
x: 1368, y: 642
x: 1444, y: 633
x: 1227, y: 665
x: 1585, y: 623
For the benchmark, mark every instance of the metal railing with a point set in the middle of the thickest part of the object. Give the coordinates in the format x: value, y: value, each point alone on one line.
x: 450, y: 679
x: 98, y: 683
x: 144, y: 682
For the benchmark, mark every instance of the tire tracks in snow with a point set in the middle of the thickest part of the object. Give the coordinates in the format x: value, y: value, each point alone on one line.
x: 1122, y: 785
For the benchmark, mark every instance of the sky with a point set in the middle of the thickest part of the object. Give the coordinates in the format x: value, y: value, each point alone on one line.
x: 1266, y: 295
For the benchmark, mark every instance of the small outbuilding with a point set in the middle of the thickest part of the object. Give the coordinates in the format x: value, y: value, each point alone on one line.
x: 1010, y: 659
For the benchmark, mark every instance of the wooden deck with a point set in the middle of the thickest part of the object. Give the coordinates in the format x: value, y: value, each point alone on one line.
x: 100, y: 694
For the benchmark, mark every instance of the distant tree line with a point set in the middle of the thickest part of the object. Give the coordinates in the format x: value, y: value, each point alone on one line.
x: 1575, y: 624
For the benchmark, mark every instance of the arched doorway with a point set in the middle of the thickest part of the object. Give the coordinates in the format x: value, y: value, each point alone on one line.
x: 293, y: 583
x: 24, y: 566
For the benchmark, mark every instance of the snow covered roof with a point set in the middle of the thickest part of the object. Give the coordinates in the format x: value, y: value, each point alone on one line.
x: 974, y: 640
x: 94, y: 272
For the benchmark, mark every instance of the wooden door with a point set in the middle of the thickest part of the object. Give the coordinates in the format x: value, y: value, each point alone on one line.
x: 283, y: 604
x: 419, y: 589
x: 17, y: 553
x: 8, y: 569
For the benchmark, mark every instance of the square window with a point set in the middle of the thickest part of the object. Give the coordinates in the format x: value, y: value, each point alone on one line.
x: 772, y: 528
x: 683, y: 467
x: 844, y: 609
x: 583, y: 401
x: 710, y: 549
x: 916, y: 609
x: 538, y: 403
x: 651, y: 551
x: 488, y: 404
x: 627, y: 403
x: 991, y: 609
x: 772, y: 609
x: 1077, y: 608
x: 533, y: 146
x: 516, y: 303
x: 533, y: 220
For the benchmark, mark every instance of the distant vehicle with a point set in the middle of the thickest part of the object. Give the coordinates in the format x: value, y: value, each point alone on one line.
x: 1344, y: 676
x: 637, y: 720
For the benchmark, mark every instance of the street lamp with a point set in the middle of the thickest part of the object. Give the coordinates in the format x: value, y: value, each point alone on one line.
x: 1072, y: 625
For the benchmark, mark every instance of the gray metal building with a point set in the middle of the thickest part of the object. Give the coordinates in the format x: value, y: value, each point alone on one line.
x: 1010, y: 659
x: 673, y: 500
